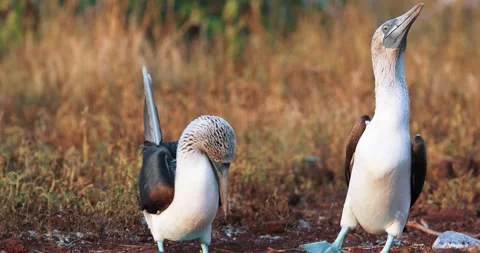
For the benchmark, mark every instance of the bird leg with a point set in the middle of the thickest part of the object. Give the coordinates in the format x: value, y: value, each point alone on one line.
x: 204, y: 247
x: 388, y: 244
x: 341, y: 237
x: 160, y: 247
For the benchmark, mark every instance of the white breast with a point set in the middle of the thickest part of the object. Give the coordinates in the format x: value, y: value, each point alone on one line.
x: 380, y: 182
x: 195, y: 202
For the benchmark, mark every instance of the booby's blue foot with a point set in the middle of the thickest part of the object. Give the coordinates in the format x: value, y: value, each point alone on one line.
x: 204, y: 247
x: 325, y: 247
x: 321, y: 247
x: 160, y: 247
x: 388, y: 244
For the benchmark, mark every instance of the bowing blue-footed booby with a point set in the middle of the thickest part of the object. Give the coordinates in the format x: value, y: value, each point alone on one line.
x: 384, y: 170
x: 182, y: 184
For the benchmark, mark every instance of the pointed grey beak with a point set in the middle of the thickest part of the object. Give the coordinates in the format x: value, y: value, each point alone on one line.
x: 397, y: 35
x: 222, y: 170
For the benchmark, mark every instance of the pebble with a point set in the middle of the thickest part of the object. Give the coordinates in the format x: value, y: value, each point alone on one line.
x: 303, y: 224
x: 454, y: 240
x: 32, y: 234
x: 270, y: 238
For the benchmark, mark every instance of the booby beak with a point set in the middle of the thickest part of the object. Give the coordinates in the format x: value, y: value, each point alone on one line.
x: 222, y: 170
x: 397, y: 34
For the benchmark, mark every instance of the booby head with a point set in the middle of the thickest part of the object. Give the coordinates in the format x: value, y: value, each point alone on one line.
x: 215, y: 138
x: 389, y: 41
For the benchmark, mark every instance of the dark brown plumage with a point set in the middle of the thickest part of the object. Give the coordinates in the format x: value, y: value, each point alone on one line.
x: 419, y: 167
x: 355, y: 135
x: 156, y: 181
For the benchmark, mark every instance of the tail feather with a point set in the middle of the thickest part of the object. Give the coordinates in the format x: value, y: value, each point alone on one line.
x: 153, y: 131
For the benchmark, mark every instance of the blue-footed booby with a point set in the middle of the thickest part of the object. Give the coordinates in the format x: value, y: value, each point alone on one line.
x: 182, y: 184
x: 384, y: 170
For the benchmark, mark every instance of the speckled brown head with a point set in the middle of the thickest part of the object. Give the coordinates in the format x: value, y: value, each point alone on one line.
x: 212, y: 136
x: 389, y: 41
x: 215, y: 138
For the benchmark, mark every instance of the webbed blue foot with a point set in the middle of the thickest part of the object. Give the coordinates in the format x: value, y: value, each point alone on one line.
x: 325, y: 247
x: 321, y: 247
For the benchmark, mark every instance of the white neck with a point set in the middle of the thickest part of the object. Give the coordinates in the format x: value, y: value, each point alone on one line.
x: 392, y: 104
x: 194, y: 176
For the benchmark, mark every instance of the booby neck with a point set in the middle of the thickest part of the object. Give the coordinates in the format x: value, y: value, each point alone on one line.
x: 389, y: 43
x: 192, y: 163
x: 392, y: 103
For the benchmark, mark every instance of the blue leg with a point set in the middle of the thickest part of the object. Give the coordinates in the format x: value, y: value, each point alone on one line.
x: 388, y: 244
x: 323, y: 246
x: 341, y: 237
x: 160, y: 247
x: 204, y: 247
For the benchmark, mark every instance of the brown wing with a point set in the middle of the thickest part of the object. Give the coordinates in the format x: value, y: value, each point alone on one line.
x: 355, y: 135
x: 157, y: 177
x: 419, y: 168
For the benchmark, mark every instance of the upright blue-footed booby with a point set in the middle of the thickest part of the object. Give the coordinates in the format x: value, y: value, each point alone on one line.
x: 182, y: 184
x: 384, y: 170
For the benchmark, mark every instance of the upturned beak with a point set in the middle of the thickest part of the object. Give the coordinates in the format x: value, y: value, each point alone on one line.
x: 397, y: 36
x: 222, y: 170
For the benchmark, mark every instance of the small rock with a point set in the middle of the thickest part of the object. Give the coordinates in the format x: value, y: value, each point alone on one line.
x: 135, y: 238
x: 231, y: 231
x: 32, y: 234
x: 454, y: 240
x: 272, y: 250
x: 303, y: 224
x: 396, y: 243
x: 79, y: 235
x: 270, y: 238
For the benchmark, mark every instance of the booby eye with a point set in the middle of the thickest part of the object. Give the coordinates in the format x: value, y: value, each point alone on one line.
x: 385, y: 28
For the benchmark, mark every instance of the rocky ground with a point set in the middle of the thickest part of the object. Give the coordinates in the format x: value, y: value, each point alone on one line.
x: 304, y: 225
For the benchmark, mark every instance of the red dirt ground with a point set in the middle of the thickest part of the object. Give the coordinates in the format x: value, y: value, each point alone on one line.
x: 288, y: 235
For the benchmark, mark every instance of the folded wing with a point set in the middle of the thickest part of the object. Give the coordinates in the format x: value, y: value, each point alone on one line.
x: 419, y: 168
x: 355, y: 135
x: 157, y: 177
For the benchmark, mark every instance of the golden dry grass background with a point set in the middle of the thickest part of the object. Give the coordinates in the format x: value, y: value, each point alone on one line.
x: 71, y: 106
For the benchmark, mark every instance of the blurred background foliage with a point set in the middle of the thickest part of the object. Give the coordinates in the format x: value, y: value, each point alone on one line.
x: 189, y: 19
x: 206, y: 18
x: 203, y: 18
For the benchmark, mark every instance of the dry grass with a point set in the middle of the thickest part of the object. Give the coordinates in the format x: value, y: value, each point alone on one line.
x: 71, y: 104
